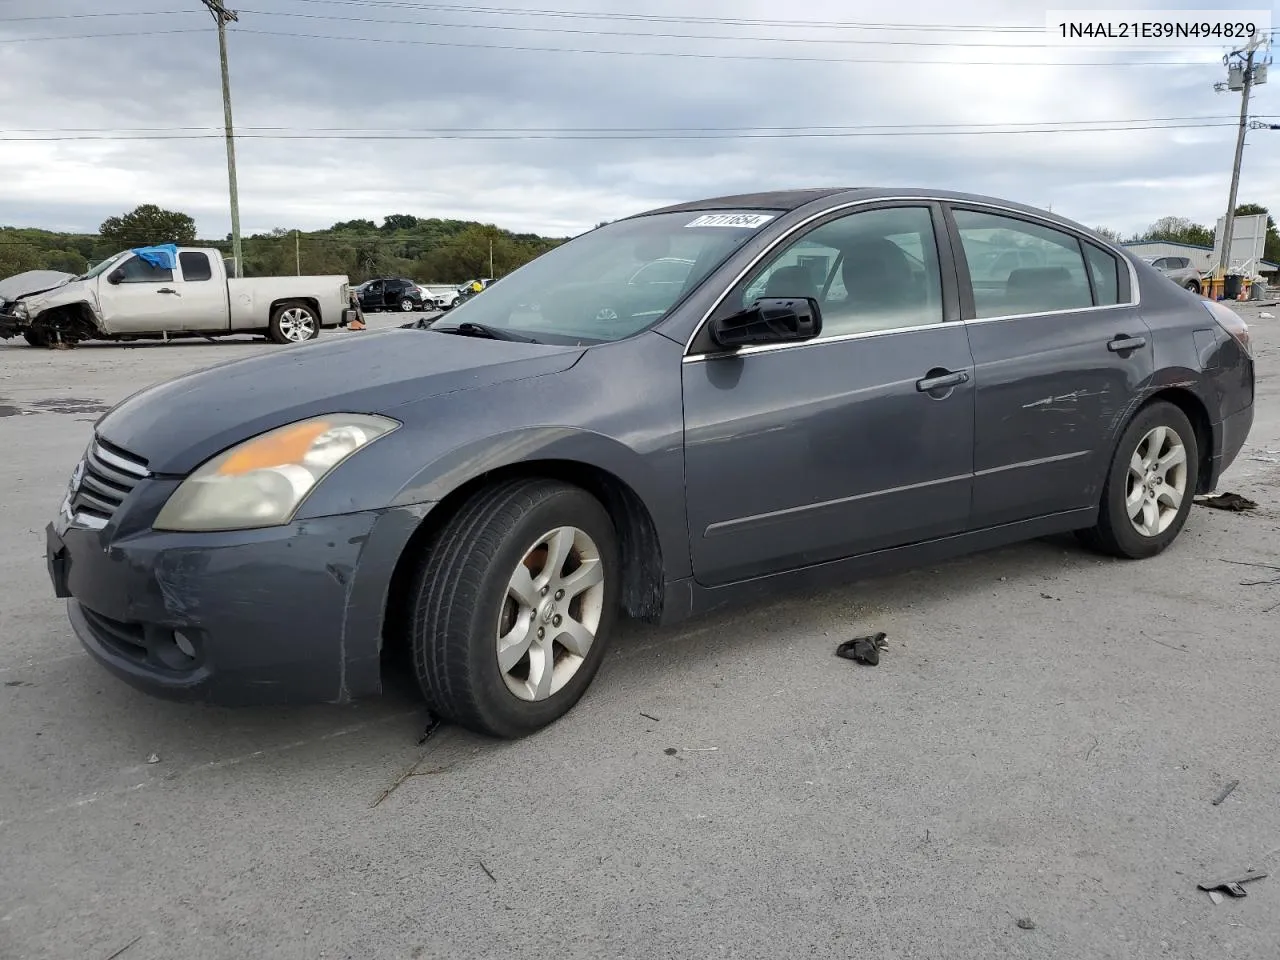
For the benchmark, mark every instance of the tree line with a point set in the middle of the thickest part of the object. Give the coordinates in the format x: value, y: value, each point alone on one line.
x: 428, y: 250
x: 1183, y: 230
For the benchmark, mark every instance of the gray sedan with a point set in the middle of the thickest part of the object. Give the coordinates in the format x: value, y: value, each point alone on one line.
x: 829, y: 391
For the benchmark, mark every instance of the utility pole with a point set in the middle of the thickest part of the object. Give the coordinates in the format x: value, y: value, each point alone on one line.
x: 1246, y: 74
x: 491, y: 258
x: 297, y: 251
x: 222, y: 16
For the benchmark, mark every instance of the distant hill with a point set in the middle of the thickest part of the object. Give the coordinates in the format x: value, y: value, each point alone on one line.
x: 426, y: 250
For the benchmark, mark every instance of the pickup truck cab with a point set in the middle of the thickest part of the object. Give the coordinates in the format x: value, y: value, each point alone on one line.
x: 169, y: 291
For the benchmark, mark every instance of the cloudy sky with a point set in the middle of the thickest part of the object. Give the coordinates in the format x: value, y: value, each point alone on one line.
x: 368, y: 70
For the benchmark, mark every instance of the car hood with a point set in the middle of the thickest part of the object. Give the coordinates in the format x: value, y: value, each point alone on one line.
x: 31, y: 283
x: 177, y: 425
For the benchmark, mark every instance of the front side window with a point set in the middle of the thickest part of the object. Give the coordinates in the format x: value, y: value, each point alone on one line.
x: 868, y: 271
x: 137, y: 270
x: 1018, y: 267
x: 612, y: 282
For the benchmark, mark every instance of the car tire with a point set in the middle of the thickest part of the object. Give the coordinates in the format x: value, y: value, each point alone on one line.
x: 1148, y: 451
x: 36, y: 338
x: 406, y: 305
x: 293, y: 322
x: 466, y: 607
x: 1194, y: 287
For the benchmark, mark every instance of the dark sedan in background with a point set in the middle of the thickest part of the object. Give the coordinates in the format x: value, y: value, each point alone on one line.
x: 839, y: 385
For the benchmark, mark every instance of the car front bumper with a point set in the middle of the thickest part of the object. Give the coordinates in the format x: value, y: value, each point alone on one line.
x: 290, y: 614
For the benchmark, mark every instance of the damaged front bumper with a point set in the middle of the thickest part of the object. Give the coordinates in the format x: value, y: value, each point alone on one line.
x: 289, y: 614
x: 12, y: 325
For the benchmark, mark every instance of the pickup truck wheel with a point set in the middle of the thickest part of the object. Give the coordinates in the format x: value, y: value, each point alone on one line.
x: 513, y: 606
x: 36, y: 338
x: 293, y: 323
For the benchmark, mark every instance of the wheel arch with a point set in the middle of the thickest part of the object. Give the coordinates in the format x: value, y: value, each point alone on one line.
x: 310, y: 302
x: 641, y: 592
x: 1198, y: 413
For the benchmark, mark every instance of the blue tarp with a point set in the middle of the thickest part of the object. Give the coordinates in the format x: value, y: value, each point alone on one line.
x: 164, y: 255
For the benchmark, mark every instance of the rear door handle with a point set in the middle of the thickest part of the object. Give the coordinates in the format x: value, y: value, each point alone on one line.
x: 941, y: 381
x: 1121, y: 343
x: 169, y: 290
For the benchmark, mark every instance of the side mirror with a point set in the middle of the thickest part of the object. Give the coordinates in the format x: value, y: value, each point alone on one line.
x: 769, y: 320
x: 115, y: 276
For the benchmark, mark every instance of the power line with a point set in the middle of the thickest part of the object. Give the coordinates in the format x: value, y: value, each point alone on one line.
x: 722, y: 56
x: 678, y: 18
x: 631, y: 33
x: 645, y: 130
x: 100, y: 36
x: 475, y: 137
x: 102, y: 13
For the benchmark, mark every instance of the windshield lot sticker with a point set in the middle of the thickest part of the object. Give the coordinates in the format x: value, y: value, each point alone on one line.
x: 745, y: 221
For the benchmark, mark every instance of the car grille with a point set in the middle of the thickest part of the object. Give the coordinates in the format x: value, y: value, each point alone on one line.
x: 110, y: 474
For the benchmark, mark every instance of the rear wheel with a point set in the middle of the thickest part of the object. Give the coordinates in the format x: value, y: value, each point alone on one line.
x: 514, y: 605
x: 406, y: 305
x: 293, y: 323
x: 1150, y: 486
x: 1194, y: 287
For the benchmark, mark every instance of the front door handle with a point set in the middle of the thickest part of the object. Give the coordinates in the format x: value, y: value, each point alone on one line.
x: 169, y: 290
x: 941, y: 380
x: 1121, y: 344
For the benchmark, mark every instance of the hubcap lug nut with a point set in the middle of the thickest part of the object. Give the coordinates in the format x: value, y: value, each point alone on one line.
x: 555, y: 622
x: 541, y: 633
x: 544, y: 590
x: 559, y: 594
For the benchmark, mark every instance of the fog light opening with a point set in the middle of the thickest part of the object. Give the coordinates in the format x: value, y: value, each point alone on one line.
x: 184, y: 644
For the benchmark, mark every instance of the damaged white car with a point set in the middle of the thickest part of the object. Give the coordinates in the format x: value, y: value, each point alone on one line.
x: 168, y: 291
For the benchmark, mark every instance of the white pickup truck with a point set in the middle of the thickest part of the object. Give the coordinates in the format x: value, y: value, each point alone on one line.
x: 169, y: 291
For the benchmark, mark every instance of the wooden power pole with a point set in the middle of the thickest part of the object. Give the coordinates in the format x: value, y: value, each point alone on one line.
x: 222, y: 16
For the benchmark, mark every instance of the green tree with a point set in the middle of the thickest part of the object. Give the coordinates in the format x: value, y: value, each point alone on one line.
x: 1178, y: 230
x: 399, y: 221
x: 1271, y: 250
x: 148, y: 224
x: 1108, y: 234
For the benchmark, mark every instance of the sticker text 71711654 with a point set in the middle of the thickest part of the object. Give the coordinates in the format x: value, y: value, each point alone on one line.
x: 747, y: 221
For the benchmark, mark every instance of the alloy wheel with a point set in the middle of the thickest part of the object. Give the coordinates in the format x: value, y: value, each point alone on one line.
x: 1157, y: 481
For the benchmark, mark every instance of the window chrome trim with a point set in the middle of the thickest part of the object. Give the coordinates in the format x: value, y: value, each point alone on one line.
x: 1135, y: 292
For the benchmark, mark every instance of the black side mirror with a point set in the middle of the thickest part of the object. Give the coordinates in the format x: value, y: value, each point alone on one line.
x: 115, y: 276
x: 769, y: 320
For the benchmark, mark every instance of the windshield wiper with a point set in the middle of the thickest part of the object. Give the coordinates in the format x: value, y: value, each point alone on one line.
x: 469, y: 329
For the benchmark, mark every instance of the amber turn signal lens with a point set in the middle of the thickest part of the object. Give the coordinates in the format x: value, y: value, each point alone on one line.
x: 275, y: 449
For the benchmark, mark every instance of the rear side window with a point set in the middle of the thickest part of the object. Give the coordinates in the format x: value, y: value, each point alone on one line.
x: 1018, y: 267
x: 195, y: 267
x: 1104, y: 270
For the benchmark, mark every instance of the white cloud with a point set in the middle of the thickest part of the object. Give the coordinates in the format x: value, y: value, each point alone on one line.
x: 1123, y: 179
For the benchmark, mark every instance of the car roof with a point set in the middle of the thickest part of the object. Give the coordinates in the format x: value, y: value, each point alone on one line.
x: 789, y: 200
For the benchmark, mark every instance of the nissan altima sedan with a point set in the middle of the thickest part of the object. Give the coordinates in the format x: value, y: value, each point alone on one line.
x: 839, y: 385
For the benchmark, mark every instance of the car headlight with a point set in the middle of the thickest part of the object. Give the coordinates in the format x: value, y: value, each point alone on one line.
x: 262, y: 482
x: 19, y: 309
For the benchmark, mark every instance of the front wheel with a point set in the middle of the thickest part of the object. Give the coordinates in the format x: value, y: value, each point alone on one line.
x: 514, y: 605
x: 1150, y: 486
x: 293, y: 323
x: 36, y: 338
x: 1194, y: 287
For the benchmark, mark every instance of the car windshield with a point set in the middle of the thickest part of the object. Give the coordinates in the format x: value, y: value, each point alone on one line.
x: 103, y: 266
x: 612, y: 282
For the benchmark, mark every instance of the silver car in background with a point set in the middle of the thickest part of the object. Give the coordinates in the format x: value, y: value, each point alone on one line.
x: 1179, y: 270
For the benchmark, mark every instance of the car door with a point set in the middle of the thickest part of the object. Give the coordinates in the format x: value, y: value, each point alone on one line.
x: 859, y: 440
x: 1060, y: 353
x: 139, y: 297
x: 371, y: 295
x: 201, y: 294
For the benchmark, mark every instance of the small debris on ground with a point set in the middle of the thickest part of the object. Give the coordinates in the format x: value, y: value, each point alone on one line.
x: 1267, y: 316
x: 1232, y: 885
x: 433, y: 724
x: 671, y: 751
x: 487, y: 871
x: 18, y: 683
x: 154, y: 758
x: 649, y: 716
x: 1045, y: 596
x: 1026, y: 923
x: 864, y: 649
x: 1216, y: 897
x: 1227, y: 501
x: 1226, y: 792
